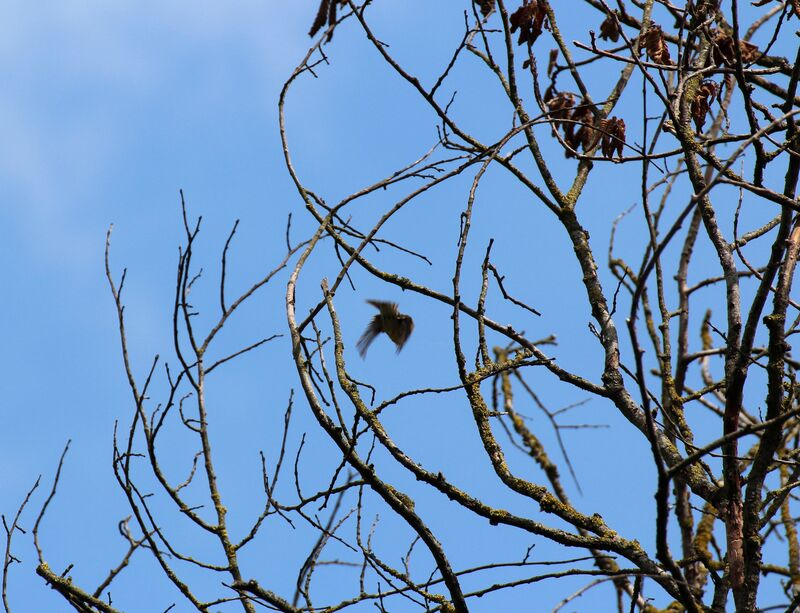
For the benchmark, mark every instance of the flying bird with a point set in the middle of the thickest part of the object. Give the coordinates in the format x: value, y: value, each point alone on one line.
x: 396, y: 325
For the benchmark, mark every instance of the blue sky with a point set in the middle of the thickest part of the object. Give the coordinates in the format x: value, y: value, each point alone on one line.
x: 106, y: 112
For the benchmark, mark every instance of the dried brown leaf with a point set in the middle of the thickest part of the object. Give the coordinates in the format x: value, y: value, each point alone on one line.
x: 609, y: 29
x: 487, y: 6
x: 613, y: 139
x: 559, y: 107
x: 700, y: 104
x: 723, y: 50
x: 656, y: 46
x: 584, y: 137
x: 551, y: 63
x: 749, y: 51
x: 326, y: 14
x: 529, y: 19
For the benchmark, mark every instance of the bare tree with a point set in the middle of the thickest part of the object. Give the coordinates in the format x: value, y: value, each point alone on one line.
x: 692, y: 327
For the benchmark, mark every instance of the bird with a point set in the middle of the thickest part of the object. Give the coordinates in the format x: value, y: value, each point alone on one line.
x: 395, y: 324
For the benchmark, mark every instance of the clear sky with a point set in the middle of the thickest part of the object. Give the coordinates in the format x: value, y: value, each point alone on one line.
x: 106, y: 111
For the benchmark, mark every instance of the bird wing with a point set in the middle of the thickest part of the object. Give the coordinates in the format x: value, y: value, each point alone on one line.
x: 374, y: 328
x: 386, y: 308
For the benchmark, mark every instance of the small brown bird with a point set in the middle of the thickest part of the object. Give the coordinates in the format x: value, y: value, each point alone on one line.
x: 397, y: 326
